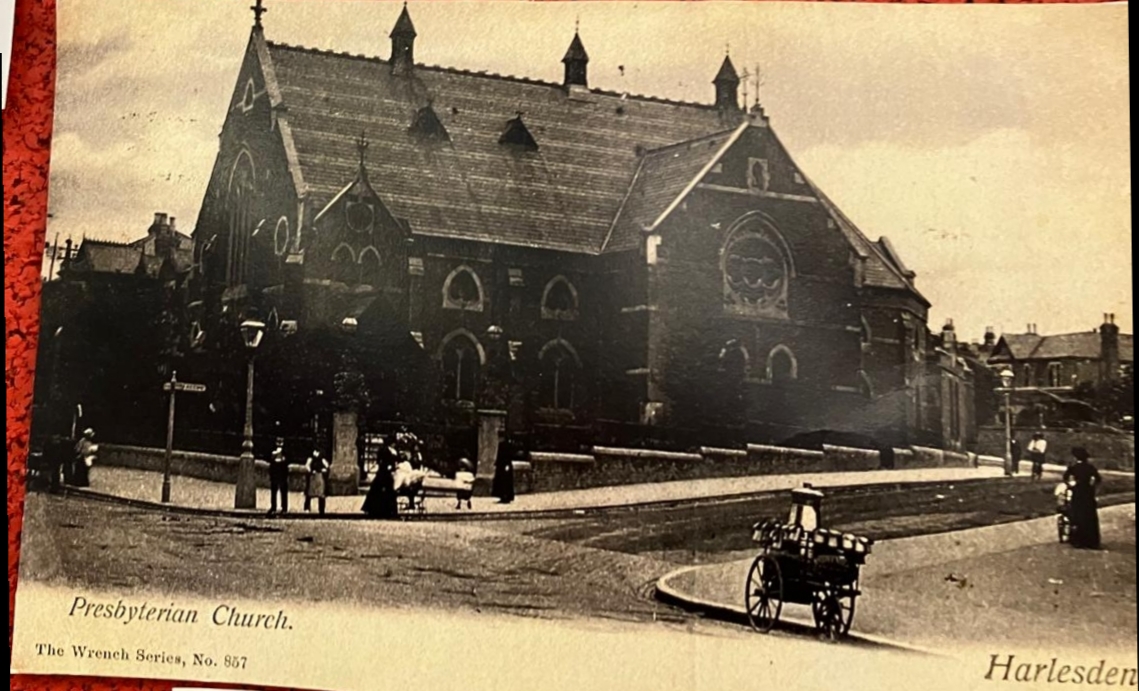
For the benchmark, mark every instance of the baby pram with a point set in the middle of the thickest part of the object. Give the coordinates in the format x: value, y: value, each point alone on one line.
x: 409, y: 488
x: 1063, y: 511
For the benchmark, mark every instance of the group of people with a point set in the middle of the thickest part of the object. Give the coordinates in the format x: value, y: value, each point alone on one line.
x: 1037, y: 450
x: 317, y: 468
x: 400, y: 473
x: 1075, y: 495
x: 68, y: 461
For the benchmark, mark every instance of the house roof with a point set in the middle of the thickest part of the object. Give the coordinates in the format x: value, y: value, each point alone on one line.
x: 1084, y: 345
x: 563, y: 196
x: 101, y: 256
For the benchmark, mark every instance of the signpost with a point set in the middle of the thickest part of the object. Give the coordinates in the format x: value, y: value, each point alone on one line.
x: 173, y: 387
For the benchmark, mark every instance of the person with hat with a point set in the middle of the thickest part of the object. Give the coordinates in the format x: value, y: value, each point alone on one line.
x: 1083, y: 478
x: 278, y: 478
x: 1036, y: 450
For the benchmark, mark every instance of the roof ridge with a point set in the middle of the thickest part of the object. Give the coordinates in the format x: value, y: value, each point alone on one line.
x: 690, y: 142
x: 489, y: 75
x: 111, y: 243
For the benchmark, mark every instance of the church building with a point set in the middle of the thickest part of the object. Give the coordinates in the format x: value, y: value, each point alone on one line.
x: 457, y: 249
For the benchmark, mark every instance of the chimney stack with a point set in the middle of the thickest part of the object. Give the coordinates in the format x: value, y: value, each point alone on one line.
x: 990, y: 336
x: 1109, y: 349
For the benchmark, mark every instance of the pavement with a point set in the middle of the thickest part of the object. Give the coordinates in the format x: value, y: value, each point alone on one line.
x: 717, y: 590
x: 144, y: 488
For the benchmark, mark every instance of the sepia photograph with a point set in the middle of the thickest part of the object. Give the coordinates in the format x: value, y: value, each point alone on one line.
x: 573, y: 344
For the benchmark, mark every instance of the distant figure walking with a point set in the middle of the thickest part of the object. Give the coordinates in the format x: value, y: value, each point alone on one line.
x: 381, y: 499
x: 316, y: 488
x: 1016, y: 453
x: 503, y: 484
x: 1083, y: 478
x: 1036, y: 450
x: 278, y: 478
x: 85, y: 452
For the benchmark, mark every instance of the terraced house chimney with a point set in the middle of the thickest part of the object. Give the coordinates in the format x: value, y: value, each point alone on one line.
x: 403, y: 44
x: 1109, y: 349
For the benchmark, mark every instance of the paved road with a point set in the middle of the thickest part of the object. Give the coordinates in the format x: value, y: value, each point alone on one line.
x: 599, y: 566
x: 721, y: 530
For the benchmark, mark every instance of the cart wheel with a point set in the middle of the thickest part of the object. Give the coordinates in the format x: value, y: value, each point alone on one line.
x: 833, y: 613
x: 764, y: 596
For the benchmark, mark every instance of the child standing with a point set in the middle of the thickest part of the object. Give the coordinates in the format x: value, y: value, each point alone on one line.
x: 317, y: 468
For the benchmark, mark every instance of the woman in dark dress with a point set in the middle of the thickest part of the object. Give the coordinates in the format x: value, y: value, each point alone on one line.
x: 503, y: 484
x: 381, y: 499
x: 1083, y: 478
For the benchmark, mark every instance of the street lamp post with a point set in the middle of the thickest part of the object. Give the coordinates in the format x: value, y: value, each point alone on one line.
x: 1007, y: 378
x: 245, y: 496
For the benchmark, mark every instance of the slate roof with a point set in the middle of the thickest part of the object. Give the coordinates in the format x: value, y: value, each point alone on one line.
x: 660, y: 179
x: 1084, y: 345
x: 101, y: 256
x: 563, y: 196
x: 607, y: 164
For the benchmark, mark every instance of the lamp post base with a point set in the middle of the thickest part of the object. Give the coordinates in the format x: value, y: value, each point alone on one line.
x: 245, y: 496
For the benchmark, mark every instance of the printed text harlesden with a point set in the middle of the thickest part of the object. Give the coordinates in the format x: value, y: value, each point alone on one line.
x: 1008, y: 668
x: 222, y: 615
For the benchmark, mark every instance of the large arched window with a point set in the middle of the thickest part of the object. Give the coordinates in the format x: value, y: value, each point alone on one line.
x: 369, y: 266
x: 559, y: 376
x: 462, y: 357
x: 462, y: 290
x: 239, y: 210
x: 344, y: 268
x: 559, y: 300
x: 757, y: 269
x: 782, y: 367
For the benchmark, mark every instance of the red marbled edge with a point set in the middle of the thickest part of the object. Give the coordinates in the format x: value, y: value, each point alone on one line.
x: 27, y: 137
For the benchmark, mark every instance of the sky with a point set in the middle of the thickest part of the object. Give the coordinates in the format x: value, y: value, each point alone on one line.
x: 991, y: 144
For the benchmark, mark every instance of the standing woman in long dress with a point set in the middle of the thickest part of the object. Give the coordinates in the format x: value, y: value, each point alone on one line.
x: 381, y: 499
x: 503, y: 484
x: 1083, y: 478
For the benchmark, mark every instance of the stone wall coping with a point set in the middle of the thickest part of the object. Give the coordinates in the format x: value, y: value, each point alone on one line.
x: 646, y: 453
x: 714, y: 451
x: 785, y: 449
x: 556, y: 457
x: 928, y: 449
x: 848, y: 449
